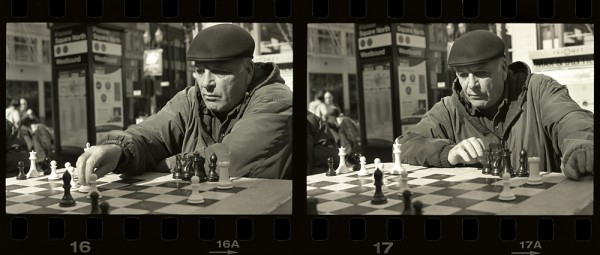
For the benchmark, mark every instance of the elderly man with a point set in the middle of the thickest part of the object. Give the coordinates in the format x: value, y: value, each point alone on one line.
x: 239, y: 109
x: 495, y: 103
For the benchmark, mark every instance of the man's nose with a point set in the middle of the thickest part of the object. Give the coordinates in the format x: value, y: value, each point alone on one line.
x: 208, y: 78
x: 472, y: 80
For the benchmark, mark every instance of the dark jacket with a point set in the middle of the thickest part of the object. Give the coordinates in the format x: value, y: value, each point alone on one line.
x: 257, y: 133
x: 320, y: 145
x: 537, y: 114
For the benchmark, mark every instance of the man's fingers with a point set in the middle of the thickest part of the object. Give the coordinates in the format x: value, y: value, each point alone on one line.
x: 464, y: 155
x: 468, y: 147
x: 589, y: 161
x: 90, y: 164
x: 80, y: 165
x: 580, y: 157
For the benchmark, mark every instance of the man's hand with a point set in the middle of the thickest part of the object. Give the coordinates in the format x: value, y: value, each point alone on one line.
x: 468, y: 151
x: 579, y: 163
x: 102, y: 158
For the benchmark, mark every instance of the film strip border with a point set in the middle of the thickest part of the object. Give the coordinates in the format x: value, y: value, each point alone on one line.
x: 299, y: 233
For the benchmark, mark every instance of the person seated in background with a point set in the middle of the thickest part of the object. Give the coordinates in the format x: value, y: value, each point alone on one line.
x: 38, y: 137
x: 345, y: 132
x: 16, y: 150
x: 12, y: 113
x: 494, y: 102
x: 313, y: 106
x: 320, y: 145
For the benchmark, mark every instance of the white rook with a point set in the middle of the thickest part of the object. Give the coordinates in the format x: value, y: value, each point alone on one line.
x: 534, y: 171
x: 224, y: 181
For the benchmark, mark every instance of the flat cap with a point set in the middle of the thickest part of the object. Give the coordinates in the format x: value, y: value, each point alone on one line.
x: 221, y: 42
x: 475, y: 47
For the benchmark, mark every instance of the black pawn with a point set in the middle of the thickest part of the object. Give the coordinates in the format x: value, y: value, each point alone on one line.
x: 104, y: 207
x: 379, y: 197
x: 212, y: 170
x: 407, y: 203
x: 94, y: 196
x: 22, y: 175
x: 330, y: 170
x: 311, y: 206
x: 199, y: 167
x: 487, y: 169
x: 177, y: 170
x: 418, y: 207
x: 523, y: 171
x: 67, y: 200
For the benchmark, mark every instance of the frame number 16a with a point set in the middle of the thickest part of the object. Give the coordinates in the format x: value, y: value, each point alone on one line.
x: 383, y: 246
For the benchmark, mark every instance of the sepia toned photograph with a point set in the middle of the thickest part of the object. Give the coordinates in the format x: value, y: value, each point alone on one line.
x: 149, y: 118
x: 450, y: 119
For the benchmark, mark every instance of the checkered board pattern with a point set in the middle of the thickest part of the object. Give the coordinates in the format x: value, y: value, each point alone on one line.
x: 443, y: 191
x: 151, y: 193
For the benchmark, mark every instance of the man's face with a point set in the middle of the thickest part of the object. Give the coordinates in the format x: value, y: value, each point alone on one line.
x: 328, y: 98
x: 223, y: 84
x: 483, y: 84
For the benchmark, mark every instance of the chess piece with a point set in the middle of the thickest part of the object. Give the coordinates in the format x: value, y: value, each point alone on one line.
x: 33, y: 172
x: 21, y: 175
x: 407, y: 203
x: 379, y: 197
x: 212, y: 172
x: 378, y: 164
x: 199, y: 167
x: 355, y: 160
x: 507, y: 164
x: 486, y: 163
x: 363, y: 167
x: 95, y: 209
x: 177, y: 169
x: 397, y: 168
x: 418, y: 207
x: 71, y: 170
x: 534, y: 171
x: 224, y: 181
x: 104, y: 207
x: 342, y: 168
x: 67, y: 200
x: 87, y: 147
x: 53, y: 175
x: 46, y: 167
x: 94, y: 186
x: 497, y: 164
x: 311, y: 206
x: 187, y: 168
x: 403, y: 182
x: 195, y: 197
x: 506, y: 194
x: 85, y: 187
x: 330, y: 170
x: 523, y: 171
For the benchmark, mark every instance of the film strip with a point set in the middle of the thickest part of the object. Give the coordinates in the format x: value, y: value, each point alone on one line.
x: 309, y: 42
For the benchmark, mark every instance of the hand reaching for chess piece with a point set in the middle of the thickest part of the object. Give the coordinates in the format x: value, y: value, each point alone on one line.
x: 102, y: 158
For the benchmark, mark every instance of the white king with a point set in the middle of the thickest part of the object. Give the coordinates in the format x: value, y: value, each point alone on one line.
x: 342, y: 168
x: 397, y: 168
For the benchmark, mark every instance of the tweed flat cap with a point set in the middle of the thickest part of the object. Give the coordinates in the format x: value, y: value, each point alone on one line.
x: 475, y: 47
x: 221, y: 42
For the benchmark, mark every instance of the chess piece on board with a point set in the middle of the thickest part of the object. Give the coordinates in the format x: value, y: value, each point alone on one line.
x: 506, y: 194
x: 104, y: 206
x: 177, y: 169
x: 330, y: 170
x: 487, y: 169
x: 94, y: 186
x: 71, y: 170
x: 46, y: 167
x: 397, y: 150
x: 403, y: 182
x: 21, y: 175
x: 187, y: 167
x: 87, y: 147
x: 363, y: 167
x: 378, y: 197
x: 311, y: 206
x: 199, y: 167
x: 224, y: 181
x: 195, y: 197
x: 67, y: 200
x: 534, y: 171
x: 95, y: 209
x: 418, y: 207
x: 355, y: 160
x: 53, y: 175
x: 497, y: 164
x: 378, y: 164
x: 33, y: 172
x: 523, y: 171
x: 212, y: 172
x: 507, y: 164
x: 342, y: 168
x: 407, y: 203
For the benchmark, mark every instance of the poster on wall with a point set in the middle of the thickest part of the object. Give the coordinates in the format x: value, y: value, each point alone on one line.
x: 72, y: 108
x: 378, y: 101
x: 413, y: 90
x: 108, y: 100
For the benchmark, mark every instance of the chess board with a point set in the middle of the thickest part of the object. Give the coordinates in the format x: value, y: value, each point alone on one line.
x: 151, y: 193
x: 449, y: 191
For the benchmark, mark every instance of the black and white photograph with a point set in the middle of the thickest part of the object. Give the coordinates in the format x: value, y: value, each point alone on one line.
x: 149, y: 118
x: 450, y: 118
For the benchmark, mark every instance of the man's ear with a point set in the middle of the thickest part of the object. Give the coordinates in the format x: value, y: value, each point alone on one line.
x: 249, y: 67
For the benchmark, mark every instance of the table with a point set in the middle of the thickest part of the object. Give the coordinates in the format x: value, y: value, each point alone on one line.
x: 451, y: 191
x: 151, y: 193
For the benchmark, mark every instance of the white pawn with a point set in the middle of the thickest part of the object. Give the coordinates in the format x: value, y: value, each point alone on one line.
x: 85, y: 187
x: 224, y: 181
x: 403, y: 182
x: 195, y: 197
x: 71, y: 170
x: 87, y: 147
x: 94, y: 186
x: 33, y: 172
x: 506, y: 194
x: 342, y: 168
x: 53, y: 175
x: 397, y: 168
x: 378, y: 164
x: 363, y: 167
x: 534, y: 171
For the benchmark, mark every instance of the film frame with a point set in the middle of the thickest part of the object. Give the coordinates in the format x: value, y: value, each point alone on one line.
x: 300, y: 233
